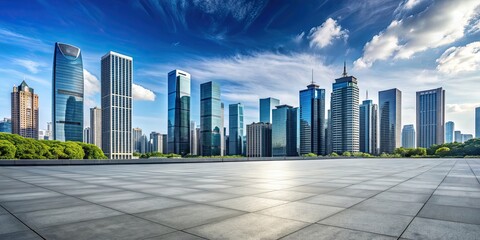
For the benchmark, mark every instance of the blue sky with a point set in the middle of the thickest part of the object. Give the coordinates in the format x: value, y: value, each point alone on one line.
x: 255, y: 49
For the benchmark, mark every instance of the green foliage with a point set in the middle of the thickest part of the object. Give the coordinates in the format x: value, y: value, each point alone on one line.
x: 410, y: 152
x: 159, y: 155
x: 333, y: 154
x: 346, y: 154
x: 362, y: 155
x: 394, y: 155
x: 469, y: 148
x: 443, y: 151
x: 92, y: 151
x: 7, y: 150
x: 309, y: 155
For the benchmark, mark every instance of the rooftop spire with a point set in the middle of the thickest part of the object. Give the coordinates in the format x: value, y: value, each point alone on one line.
x: 344, y: 68
x: 312, y: 75
x: 367, y: 95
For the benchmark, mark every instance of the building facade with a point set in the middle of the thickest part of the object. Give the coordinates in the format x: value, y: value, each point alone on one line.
x: 96, y: 126
x: 116, y: 97
x: 235, y: 128
x: 312, y: 120
x: 390, y: 118
x: 67, y: 113
x: 477, y: 122
x: 408, y: 136
x: 137, y: 140
x: 178, y: 112
x: 211, y: 130
x: 430, y: 117
x: 368, y: 127
x: 345, y: 114
x: 449, y: 131
x: 24, y: 111
x: 193, y: 139
x: 285, y: 134
x: 86, y: 135
x: 6, y: 125
x: 259, y: 140
x: 466, y: 137
x: 266, y: 107
x: 458, y: 137
x: 156, y: 140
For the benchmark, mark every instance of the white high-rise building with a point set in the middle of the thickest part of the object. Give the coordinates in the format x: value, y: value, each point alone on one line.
x: 116, y: 95
x: 96, y: 126
x: 87, y: 135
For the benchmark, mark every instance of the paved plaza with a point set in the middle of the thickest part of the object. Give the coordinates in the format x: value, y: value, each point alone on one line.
x: 314, y: 199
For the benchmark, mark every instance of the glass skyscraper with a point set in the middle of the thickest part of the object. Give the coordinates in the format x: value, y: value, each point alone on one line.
x: 67, y: 113
x: 345, y: 114
x: 312, y: 120
x: 235, y: 128
x: 368, y: 127
x: 477, y: 122
x: 266, y: 107
x: 285, y: 131
x: 408, y: 136
x: 6, y: 125
x: 211, y: 128
x: 179, y: 112
x: 116, y: 96
x: 430, y: 117
x: 449, y: 131
x: 390, y: 116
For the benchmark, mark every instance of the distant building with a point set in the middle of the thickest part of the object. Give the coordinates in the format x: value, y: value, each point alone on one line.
x: 193, y: 139
x: 96, y: 126
x: 68, y: 84
x: 116, y: 96
x: 449, y: 131
x: 266, y: 107
x: 198, y: 141
x: 137, y: 140
x: 477, y: 122
x: 430, y: 117
x: 144, y: 144
x: 86, y: 135
x: 458, y: 137
x: 390, y: 118
x: 24, y: 111
x: 211, y: 129
x: 328, y: 134
x: 345, y: 114
x: 259, y: 140
x: 466, y: 137
x: 285, y: 131
x: 312, y: 120
x: 157, y: 141
x: 368, y: 127
x: 408, y: 136
x: 222, y: 130
x: 235, y: 113
x: 179, y: 112
x: 6, y: 125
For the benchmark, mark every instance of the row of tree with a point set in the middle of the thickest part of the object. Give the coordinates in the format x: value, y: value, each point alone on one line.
x: 13, y: 146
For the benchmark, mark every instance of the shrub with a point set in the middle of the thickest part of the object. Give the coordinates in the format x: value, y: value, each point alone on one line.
x: 7, y: 150
x: 443, y: 151
x: 92, y: 151
x: 346, y: 154
x: 309, y: 155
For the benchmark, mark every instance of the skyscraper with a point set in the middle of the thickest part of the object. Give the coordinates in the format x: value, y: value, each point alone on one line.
x: 328, y: 133
x: 235, y: 113
x: 408, y: 136
x: 86, y: 135
x: 24, y: 111
x: 477, y: 122
x: 211, y: 119
x: 222, y: 130
x: 368, y: 127
x: 312, y: 120
x: 178, y: 112
x: 266, y: 107
x: 390, y: 116
x: 157, y: 142
x: 430, y: 117
x: 345, y: 114
x: 116, y: 95
x: 6, y: 125
x: 137, y: 139
x: 449, y: 130
x: 193, y: 139
x: 285, y: 131
x: 466, y: 137
x: 259, y: 140
x: 458, y: 137
x: 67, y: 113
x: 96, y: 126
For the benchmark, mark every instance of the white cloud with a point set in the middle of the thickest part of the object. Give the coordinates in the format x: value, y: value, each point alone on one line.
x: 299, y: 37
x: 461, y: 108
x: 90, y: 83
x: 27, y: 42
x: 460, y: 59
x: 442, y: 22
x: 324, y: 34
x: 411, y: 3
x: 142, y: 94
x: 30, y: 65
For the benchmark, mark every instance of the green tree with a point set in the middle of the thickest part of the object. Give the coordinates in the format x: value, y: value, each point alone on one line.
x: 346, y: 154
x: 309, y: 155
x: 7, y: 150
x: 92, y: 151
x: 442, y: 151
x: 73, y: 150
x: 333, y: 154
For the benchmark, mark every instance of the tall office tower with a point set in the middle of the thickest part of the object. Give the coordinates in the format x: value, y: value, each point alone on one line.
x: 49, y: 133
x: 193, y: 138
x: 222, y: 130
x: 116, y: 95
x: 25, y: 111
x: 466, y: 137
x: 259, y: 140
x: 449, y: 129
x: 235, y: 128
x: 179, y: 112
x: 211, y: 119
x: 430, y: 117
x: 266, y: 107
x: 199, y: 140
x: 137, y: 139
x: 345, y: 114
x: 164, y: 143
x: 390, y: 116
x: 312, y: 120
x: 157, y: 142
x: 96, y: 126
x: 144, y: 148
x: 86, y: 135
x: 328, y: 135
x: 368, y: 127
x: 477, y: 122
x: 6, y: 125
x: 408, y: 136
x: 458, y: 137
x: 284, y: 131
x: 67, y: 114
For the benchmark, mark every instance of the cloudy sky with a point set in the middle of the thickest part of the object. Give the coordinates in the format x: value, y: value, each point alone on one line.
x: 254, y: 49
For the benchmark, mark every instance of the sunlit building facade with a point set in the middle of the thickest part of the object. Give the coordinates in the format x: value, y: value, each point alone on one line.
x: 390, y: 118
x: 211, y: 128
x: 178, y: 112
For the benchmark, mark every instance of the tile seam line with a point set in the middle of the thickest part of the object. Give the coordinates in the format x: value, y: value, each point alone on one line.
x: 467, y: 161
x: 31, y: 229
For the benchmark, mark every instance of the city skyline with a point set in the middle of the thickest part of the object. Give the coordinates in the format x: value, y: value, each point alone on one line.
x: 286, y: 53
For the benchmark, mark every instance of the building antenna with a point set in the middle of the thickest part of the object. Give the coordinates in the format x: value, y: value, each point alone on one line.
x: 367, y: 95
x: 344, y: 68
x: 312, y: 75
